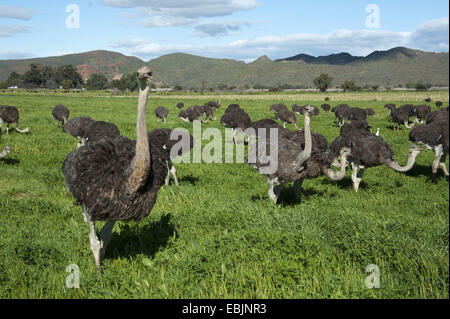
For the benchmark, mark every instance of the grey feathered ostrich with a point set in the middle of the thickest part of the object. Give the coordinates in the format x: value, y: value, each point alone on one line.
x: 291, y: 160
x: 300, y: 110
x: 161, y: 113
x: 439, y: 103
x: 77, y: 127
x: 61, y: 114
x: 10, y: 115
x: 180, y: 105
x: 368, y: 150
x: 421, y: 112
x: 160, y: 138
x: 435, y: 137
x: 116, y: 179
x: 289, y: 117
x: 275, y: 108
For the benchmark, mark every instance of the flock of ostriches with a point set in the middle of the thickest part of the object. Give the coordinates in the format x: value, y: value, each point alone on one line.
x: 114, y: 178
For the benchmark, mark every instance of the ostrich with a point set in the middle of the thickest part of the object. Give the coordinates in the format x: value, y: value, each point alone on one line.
x: 213, y: 104
x: 428, y: 100
x: 390, y: 107
x: 116, y: 179
x: 370, y: 112
x: 439, y: 103
x: 342, y: 113
x: 180, y: 105
x: 160, y: 138
x: 289, y: 117
x: 421, y: 112
x: 326, y: 107
x: 278, y: 108
x: 60, y: 113
x: 368, y: 150
x: 190, y: 114
x: 10, y: 115
x: 438, y: 116
x: 357, y: 114
x: 235, y: 118
x: 161, y: 113
x: 434, y: 136
x: 77, y: 127
x: 401, y: 115
x: 207, y: 113
x: 100, y: 130
x: 291, y: 160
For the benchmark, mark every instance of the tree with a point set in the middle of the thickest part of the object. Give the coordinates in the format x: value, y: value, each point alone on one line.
x: 323, y: 82
x: 421, y: 87
x: 348, y: 85
x: 375, y: 88
x: 97, y: 82
x: 67, y: 84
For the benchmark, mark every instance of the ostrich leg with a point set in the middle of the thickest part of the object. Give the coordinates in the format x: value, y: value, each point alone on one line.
x: 436, y: 163
x: 357, y: 176
x: 443, y: 167
x: 167, y: 181
x: 298, y: 188
x: 98, y: 245
x: 274, y: 192
x: 173, y: 171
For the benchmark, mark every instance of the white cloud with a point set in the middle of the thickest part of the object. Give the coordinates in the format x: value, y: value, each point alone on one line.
x: 191, y: 13
x: 8, y: 31
x: 429, y: 36
x: 432, y: 35
x: 15, y: 13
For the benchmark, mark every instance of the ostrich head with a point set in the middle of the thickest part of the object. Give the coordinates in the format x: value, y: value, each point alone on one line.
x: 414, y: 150
x: 345, y: 151
x: 145, y: 75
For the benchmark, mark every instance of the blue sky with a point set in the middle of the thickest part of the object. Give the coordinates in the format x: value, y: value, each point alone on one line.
x: 237, y: 29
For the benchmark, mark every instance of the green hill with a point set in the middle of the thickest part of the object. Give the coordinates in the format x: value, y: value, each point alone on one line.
x: 394, y: 67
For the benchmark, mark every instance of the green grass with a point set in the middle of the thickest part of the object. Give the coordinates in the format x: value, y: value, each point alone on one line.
x: 218, y: 235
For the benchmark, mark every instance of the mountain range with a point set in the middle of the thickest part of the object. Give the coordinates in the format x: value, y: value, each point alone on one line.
x: 394, y: 67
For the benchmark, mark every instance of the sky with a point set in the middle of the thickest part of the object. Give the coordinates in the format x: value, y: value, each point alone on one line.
x: 235, y: 29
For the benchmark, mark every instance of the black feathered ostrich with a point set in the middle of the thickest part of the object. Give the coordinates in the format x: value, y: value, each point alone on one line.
x: 100, y: 130
x: 61, y: 114
x: 10, y: 115
x: 78, y: 128
x: 291, y: 160
x: 116, y: 179
x: 435, y: 137
x: 368, y: 150
x: 161, y: 139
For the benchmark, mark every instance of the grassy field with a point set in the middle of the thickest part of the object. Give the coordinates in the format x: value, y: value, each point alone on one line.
x: 218, y: 235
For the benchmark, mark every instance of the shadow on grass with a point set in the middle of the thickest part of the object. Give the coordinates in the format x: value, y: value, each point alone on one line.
x: 189, y: 179
x: 10, y: 161
x: 287, y: 196
x: 346, y: 184
x: 147, y: 239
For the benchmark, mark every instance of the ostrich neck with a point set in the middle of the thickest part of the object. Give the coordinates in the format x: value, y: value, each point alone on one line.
x: 306, y: 153
x: 341, y: 174
x: 140, y: 166
x: 409, y: 165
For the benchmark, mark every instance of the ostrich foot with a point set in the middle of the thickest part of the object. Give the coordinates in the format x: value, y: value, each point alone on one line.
x: 98, y: 245
x: 433, y: 178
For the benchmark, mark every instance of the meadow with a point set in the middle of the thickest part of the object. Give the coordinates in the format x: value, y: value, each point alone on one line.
x: 218, y: 235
